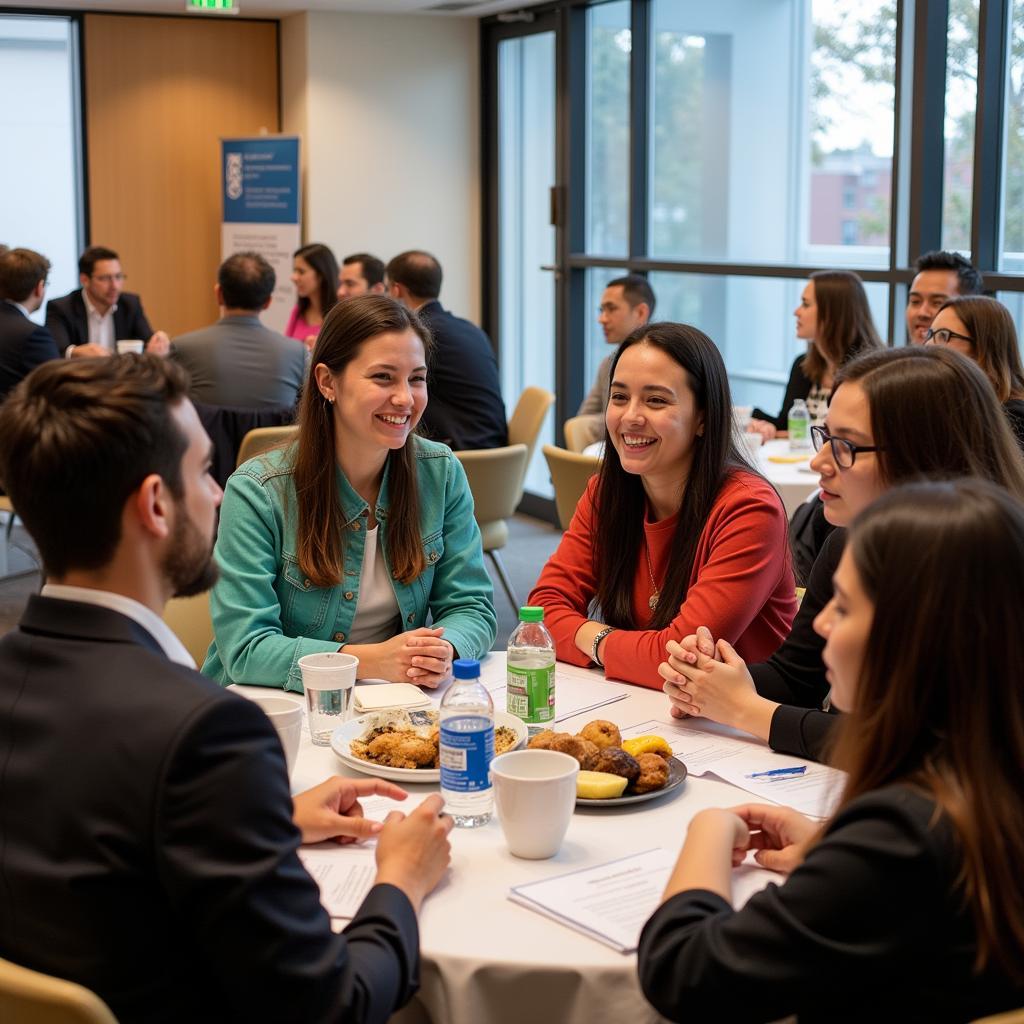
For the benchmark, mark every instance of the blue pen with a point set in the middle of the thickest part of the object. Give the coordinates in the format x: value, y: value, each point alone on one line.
x: 777, y: 772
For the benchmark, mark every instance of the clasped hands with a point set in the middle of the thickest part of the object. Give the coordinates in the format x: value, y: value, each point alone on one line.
x: 419, y: 656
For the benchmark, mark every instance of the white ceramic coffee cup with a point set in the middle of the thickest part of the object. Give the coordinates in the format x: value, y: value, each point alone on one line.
x: 127, y: 345
x: 535, y: 791
x: 286, y: 716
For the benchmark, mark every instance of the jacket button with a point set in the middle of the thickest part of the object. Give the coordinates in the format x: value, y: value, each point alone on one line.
x: 339, y: 638
x: 432, y: 557
x: 355, y: 525
x: 307, y: 584
x: 348, y: 595
x: 409, y: 618
x: 365, y: 512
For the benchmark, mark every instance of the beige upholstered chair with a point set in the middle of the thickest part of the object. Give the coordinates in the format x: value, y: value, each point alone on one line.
x: 582, y: 430
x: 1010, y: 1017
x: 6, y: 506
x: 570, y: 473
x: 189, y: 618
x: 496, y: 479
x: 262, y: 439
x: 528, y: 418
x: 28, y: 997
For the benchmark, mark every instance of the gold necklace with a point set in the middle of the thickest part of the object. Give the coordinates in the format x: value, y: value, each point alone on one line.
x: 653, y: 599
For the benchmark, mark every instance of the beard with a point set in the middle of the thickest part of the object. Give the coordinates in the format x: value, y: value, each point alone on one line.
x: 189, y: 566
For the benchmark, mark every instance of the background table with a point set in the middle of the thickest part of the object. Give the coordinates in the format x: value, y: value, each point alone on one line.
x: 486, y: 959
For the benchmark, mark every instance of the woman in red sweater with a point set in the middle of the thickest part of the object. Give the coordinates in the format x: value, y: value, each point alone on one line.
x: 675, y: 529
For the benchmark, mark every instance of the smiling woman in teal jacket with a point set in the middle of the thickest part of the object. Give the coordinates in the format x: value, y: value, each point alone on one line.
x: 347, y: 538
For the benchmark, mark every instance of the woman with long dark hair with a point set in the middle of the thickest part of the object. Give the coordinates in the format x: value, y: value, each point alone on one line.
x: 676, y: 527
x: 834, y: 318
x: 896, y: 415
x: 983, y: 330
x: 908, y: 903
x: 315, y: 276
x: 350, y: 536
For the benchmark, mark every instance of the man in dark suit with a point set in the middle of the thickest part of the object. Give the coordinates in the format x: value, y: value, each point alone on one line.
x: 101, y: 313
x: 24, y: 345
x: 465, y: 409
x: 147, y: 836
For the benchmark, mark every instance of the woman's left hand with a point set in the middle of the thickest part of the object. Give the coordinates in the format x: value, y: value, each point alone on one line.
x: 332, y: 809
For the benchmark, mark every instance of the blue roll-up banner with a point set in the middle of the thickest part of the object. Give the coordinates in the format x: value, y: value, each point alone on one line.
x: 260, y: 190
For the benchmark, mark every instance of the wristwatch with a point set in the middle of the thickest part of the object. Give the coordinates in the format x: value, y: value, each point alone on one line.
x: 601, y: 634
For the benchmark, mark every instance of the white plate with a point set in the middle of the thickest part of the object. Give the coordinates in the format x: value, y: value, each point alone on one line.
x: 351, y: 730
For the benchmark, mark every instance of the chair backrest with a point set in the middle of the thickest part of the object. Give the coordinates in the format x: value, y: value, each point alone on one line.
x: 496, y: 479
x: 570, y: 473
x: 262, y: 439
x: 583, y: 430
x: 29, y: 997
x: 528, y: 418
x: 189, y: 618
x: 1010, y: 1017
x: 227, y: 426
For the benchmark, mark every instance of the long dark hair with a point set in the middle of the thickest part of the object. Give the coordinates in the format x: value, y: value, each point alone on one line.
x: 845, y: 328
x: 322, y: 262
x: 935, y: 415
x: 320, y: 521
x: 620, y: 498
x: 939, y: 703
x: 994, y: 337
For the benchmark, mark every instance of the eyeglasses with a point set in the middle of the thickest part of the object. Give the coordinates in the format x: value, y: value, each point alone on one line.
x: 110, y: 278
x: 943, y: 334
x: 844, y: 452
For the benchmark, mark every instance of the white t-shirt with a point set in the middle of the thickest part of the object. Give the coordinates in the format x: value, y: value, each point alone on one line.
x: 377, y: 612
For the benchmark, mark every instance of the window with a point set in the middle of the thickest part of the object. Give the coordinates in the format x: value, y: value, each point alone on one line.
x: 958, y: 135
x: 1013, y: 148
x: 40, y: 195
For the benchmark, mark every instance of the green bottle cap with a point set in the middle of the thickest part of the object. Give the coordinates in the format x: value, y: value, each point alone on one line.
x: 528, y: 613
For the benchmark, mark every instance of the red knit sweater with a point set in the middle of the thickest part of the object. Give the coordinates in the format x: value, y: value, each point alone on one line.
x: 741, y: 586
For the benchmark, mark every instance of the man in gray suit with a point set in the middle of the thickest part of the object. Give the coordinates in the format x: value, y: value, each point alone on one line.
x: 237, y: 362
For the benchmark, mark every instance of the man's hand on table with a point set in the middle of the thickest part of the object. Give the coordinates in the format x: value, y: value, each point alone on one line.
x: 413, y: 850
x: 332, y: 809
x: 89, y: 351
x: 159, y: 344
x: 419, y: 656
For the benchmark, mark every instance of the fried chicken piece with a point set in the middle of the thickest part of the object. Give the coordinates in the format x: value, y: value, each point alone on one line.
x: 603, y: 733
x: 402, y: 750
x: 653, y: 773
x: 575, y: 746
x: 542, y: 741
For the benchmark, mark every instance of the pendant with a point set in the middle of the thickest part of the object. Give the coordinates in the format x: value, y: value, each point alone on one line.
x: 653, y: 600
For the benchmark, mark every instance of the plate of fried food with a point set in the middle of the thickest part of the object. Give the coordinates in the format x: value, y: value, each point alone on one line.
x: 402, y: 744
x: 614, y: 771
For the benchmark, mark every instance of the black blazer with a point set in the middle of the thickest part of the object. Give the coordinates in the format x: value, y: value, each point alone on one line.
x: 69, y: 324
x: 465, y: 409
x: 147, y: 849
x: 798, y: 386
x: 23, y: 346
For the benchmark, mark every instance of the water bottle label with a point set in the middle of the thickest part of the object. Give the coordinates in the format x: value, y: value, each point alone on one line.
x: 466, y: 752
x: 531, y: 693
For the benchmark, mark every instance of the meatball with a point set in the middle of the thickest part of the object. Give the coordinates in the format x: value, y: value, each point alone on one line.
x: 653, y: 773
x: 602, y: 733
x: 615, y: 761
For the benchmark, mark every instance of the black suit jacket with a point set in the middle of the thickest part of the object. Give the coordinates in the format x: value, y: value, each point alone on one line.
x: 146, y: 843
x: 23, y: 346
x: 69, y: 324
x: 465, y: 409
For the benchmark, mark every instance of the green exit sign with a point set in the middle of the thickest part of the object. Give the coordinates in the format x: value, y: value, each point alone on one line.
x: 211, y: 6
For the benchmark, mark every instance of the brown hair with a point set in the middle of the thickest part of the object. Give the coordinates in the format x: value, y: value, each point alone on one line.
x: 994, y: 336
x: 79, y: 436
x: 321, y: 261
x: 418, y: 272
x: 20, y: 271
x: 938, y: 704
x: 347, y: 327
x: 845, y: 327
x: 934, y: 415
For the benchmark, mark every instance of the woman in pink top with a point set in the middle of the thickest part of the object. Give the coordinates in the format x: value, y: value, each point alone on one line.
x: 675, y: 527
x: 315, y: 276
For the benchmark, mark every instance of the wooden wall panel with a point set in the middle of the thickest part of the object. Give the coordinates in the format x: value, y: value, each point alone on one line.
x: 159, y: 95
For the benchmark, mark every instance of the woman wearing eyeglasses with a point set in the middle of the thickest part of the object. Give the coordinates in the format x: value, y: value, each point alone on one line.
x: 983, y: 330
x: 907, y: 905
x: 896, y: 415
x: 834, y: 318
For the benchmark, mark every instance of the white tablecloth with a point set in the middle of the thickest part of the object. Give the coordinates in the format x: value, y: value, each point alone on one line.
x: 793, y: 480
x: 486, y: 959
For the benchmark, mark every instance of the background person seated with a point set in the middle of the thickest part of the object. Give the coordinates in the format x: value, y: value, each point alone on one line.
x: 938, y: 276
x: 101, y: 313
x: 314, y: 274
x: 237, y: 362
x: 360, y: 274
x: 24, y: 344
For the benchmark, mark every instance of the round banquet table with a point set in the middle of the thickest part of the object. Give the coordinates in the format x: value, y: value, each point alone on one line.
x: 486, y: 959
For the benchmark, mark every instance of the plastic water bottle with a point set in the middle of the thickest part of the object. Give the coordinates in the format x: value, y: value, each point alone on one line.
x: 467, y: 747
x: 530, y: 669
x: 799, y: 427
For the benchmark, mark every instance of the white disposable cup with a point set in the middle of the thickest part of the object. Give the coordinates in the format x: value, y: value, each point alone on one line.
x: 742, y: 415
x: 753, y: 441
x: 286, y: 716
x: 328, y: 680
x: 127, y: 345
x: 535, y: 791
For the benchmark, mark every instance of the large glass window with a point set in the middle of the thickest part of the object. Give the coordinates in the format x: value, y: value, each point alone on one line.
x: 1013, y: 147
x: 40, y: 180
x: 961, y: 104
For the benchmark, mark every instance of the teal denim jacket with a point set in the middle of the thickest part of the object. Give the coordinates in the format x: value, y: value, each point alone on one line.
x: 267, y: 615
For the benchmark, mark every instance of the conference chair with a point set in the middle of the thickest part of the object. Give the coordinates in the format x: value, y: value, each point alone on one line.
x: 570, y: 474
x: 1010, y: 1017
x: 227, y: 426
x: 29, y: 997
x: 189, y: 618
x: 8, y: 508
x: 581, y: 430
x: 527, y: 418
x: 262, y: 439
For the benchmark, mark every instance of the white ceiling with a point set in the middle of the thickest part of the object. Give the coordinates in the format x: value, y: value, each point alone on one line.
x: 273, y: 8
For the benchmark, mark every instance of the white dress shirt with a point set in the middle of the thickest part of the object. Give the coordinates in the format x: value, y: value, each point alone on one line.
x: 101, y: 326
x: 145, y: 617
